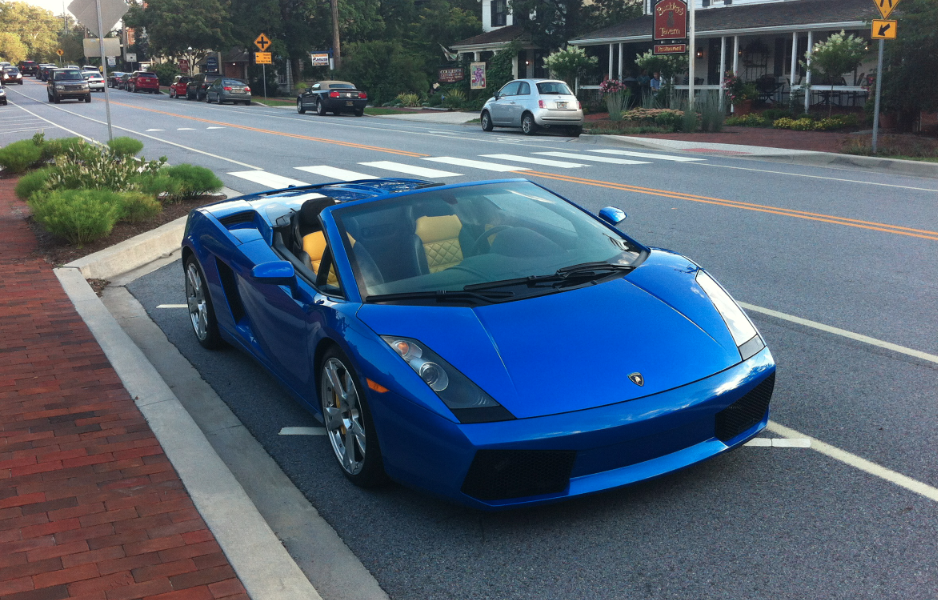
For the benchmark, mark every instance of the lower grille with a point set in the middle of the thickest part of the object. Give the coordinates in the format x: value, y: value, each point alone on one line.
x: 745, y: 412
x: 503, y: 474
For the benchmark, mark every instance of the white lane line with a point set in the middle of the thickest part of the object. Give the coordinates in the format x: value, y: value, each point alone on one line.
x: 843, y: 332
x: 388, y: 165
x: 602, y: 159
x: 892, y: 185
x: 535, y: 161
x: 214, y: 127
x: 475, y: 164
x: 162, y: 141
x: 85, y: 137
x: 303, y: 431
x: 335, y: 173
x: 270, y: 180
x: 156, y: 130
x: 172, y: 306
x: 33, y: 128
x: 649, y: 155
x: 855, y: 461
x: 779, y: 443
x: 185, y: 129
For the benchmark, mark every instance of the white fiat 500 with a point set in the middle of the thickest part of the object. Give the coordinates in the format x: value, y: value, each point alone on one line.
x: 532, y: 104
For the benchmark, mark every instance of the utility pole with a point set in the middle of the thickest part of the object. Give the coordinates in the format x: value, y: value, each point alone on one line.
x: 336, y: 51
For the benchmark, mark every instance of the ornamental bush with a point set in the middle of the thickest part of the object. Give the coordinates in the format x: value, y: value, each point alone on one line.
x: 125, y: 146
x: 750, y: 120
x: 194, y: 181
x: 19, y: 156
x: 79, y: 216
x: 33, y: 182
x: 137, y: 207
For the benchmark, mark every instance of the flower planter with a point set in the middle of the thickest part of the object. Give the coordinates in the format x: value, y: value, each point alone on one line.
x: 743, y: 108
x: 887, y: 120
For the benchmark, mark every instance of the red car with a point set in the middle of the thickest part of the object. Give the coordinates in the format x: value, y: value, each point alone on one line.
x: 177, y: 89
x: 143, y: 81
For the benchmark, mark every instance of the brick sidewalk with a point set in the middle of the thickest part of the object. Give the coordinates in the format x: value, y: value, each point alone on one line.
x: 90, y: 506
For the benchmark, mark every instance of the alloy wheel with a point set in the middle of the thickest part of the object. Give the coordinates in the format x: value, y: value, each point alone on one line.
x: 343, y: 415
x: 195, y: 298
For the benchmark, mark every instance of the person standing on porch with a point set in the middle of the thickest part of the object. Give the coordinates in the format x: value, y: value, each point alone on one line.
x: 656, y: 82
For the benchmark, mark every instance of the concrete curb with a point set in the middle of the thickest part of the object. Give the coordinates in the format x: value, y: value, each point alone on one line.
x: 802, y: 157
x: 265, y: 568
x: 137, y: 251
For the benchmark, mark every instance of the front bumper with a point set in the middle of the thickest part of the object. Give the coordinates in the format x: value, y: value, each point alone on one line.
x: 539, y: 460
x: 71, y: 94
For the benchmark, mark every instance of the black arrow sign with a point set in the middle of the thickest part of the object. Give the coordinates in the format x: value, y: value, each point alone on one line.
x: 883, y: 29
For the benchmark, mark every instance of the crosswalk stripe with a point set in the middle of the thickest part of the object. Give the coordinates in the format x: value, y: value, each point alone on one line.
x: 602, y: 159
x: 274, y: 182
x: 335, y: 173
x: 475, y: 164
x: 647, y: 155
x: 388, y: 165
x: 535, y: 161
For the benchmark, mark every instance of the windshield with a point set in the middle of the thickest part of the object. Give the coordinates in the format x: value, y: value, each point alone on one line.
x: 445, y: 240
x: 68, y: 75
x: 553, y: 87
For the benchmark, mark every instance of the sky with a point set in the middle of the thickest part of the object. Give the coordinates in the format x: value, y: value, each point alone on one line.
x: 54, y: 5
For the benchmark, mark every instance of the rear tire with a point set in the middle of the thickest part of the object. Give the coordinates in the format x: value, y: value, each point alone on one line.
x: 486, y: 120
x: 576, y: 131
x: 359, y: 112
x: 201, y: 310
x: 88, y: 99
x: 528, y: 126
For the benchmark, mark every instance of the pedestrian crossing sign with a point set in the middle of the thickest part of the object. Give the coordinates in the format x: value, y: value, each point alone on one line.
x: 885, y: 7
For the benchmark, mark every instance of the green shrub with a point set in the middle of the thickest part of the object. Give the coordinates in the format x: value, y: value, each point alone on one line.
x: 668, y: 119
x: 138, y: 206
x: 160, y: 185
x: 19, y: 156
x: 750, y: 120
x: 85, y: 166
x: 33, y: 182
x: 688, y: 123
x: 455, y: 98
x: 773, y: 114
x: 711, y: 113
x: 125, y: 146
x: 59, y: 146
x: 79, y: 216
x: 195, y: 181
x: 802, y: 124
x: 408, y: 99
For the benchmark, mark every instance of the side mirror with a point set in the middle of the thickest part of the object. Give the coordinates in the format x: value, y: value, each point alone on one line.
x: 612, y: 215
x: 278, y: 272
x: 496, y: 96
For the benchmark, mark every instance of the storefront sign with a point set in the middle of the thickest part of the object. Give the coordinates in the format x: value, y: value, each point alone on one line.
x: 319, y: 59
x: 670, y: 49
x: 211, y: 64
x: 452, y: 75
x: 670, y: 20
x: 477, y: 75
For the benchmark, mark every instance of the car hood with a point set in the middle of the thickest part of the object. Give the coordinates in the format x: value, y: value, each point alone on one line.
x: 572, y: 350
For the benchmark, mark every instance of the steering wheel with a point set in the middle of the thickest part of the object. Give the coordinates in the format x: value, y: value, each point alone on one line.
x: 474, y: 249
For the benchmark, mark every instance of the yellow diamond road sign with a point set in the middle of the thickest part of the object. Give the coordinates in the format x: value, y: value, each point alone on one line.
x: 263, y: 42
x: 262, y: 58
x: 60, y: 52
x: 885, y: 7
x: 883, y: 30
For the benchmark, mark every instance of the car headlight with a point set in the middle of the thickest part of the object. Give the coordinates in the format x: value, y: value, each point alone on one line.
x: 744, y: 333
x: 59, y: 86
x: 468, y: 401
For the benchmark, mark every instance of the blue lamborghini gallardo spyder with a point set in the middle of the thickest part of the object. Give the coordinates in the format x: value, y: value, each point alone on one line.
x: 489, y: 342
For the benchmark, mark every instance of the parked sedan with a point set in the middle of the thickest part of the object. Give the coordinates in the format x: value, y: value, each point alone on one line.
x: 143, y: 81
x: 228, y: 90
x: 113, y: 79
x: 42, y: 71
x: 197, y: 88
x: 67, y: 83
x: 11, y: 75
x: 124, y: 81
x: 95, y: 80
x: 332, y: 96
x: 532, y: 104
x: 177, y: 89
x: 489, y: 342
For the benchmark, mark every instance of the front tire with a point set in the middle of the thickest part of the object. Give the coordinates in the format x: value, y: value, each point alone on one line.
x: 528, y: 126
x: 486, y: 121
x: 201, y: 310
x: 348, y: 421
x: 88, y: 98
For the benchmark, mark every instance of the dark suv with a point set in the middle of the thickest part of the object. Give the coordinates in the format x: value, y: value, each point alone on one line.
x: 197, y: 88
x: 67, y: 83
x: 28, y: 67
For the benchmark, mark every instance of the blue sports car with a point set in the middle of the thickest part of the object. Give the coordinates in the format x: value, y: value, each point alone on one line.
x: 491, y: 343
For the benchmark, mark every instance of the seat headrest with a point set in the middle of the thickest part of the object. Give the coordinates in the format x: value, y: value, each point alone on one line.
x: 436, y: 229
x: 309, y: 212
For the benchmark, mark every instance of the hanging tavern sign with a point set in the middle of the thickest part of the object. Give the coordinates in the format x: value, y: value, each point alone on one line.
x: 670, y: 21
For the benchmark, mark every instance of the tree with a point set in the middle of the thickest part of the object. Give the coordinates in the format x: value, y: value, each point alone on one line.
x: 838, y: 54
x: 173, y: 26
x: 36, y: 28
x: 910, y: 62
x: 550, y: 23
x: 12, y: 49
x: 569, y: 63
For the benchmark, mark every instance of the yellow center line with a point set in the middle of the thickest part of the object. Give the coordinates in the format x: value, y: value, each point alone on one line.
x: 798, y: 214
x: 280, y: 133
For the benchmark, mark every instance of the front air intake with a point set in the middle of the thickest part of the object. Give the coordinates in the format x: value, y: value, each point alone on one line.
x: 504, y: 474
x: 745, y: 412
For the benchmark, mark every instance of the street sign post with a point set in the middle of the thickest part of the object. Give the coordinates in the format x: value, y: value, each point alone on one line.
x: 262, y: 58
x: 60, y: 52
x: 883, y: 30
x: 262, y: 42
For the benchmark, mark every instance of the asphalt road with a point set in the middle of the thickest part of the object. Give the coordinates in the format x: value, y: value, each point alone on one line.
x: 844, y: 247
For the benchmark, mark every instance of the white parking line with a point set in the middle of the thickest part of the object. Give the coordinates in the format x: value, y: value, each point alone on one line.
x: 855, y: 461
x: 172, y: 306
x: 842, y: 332
x: 388, y: 165
x: 303, y: 431
x: 602, y: 159
x: 779, y: 443
x: 648, y: 155
x: 335, y: 173
x: 475, y: 164
x: 535, y: 161
x: 270, y: 180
